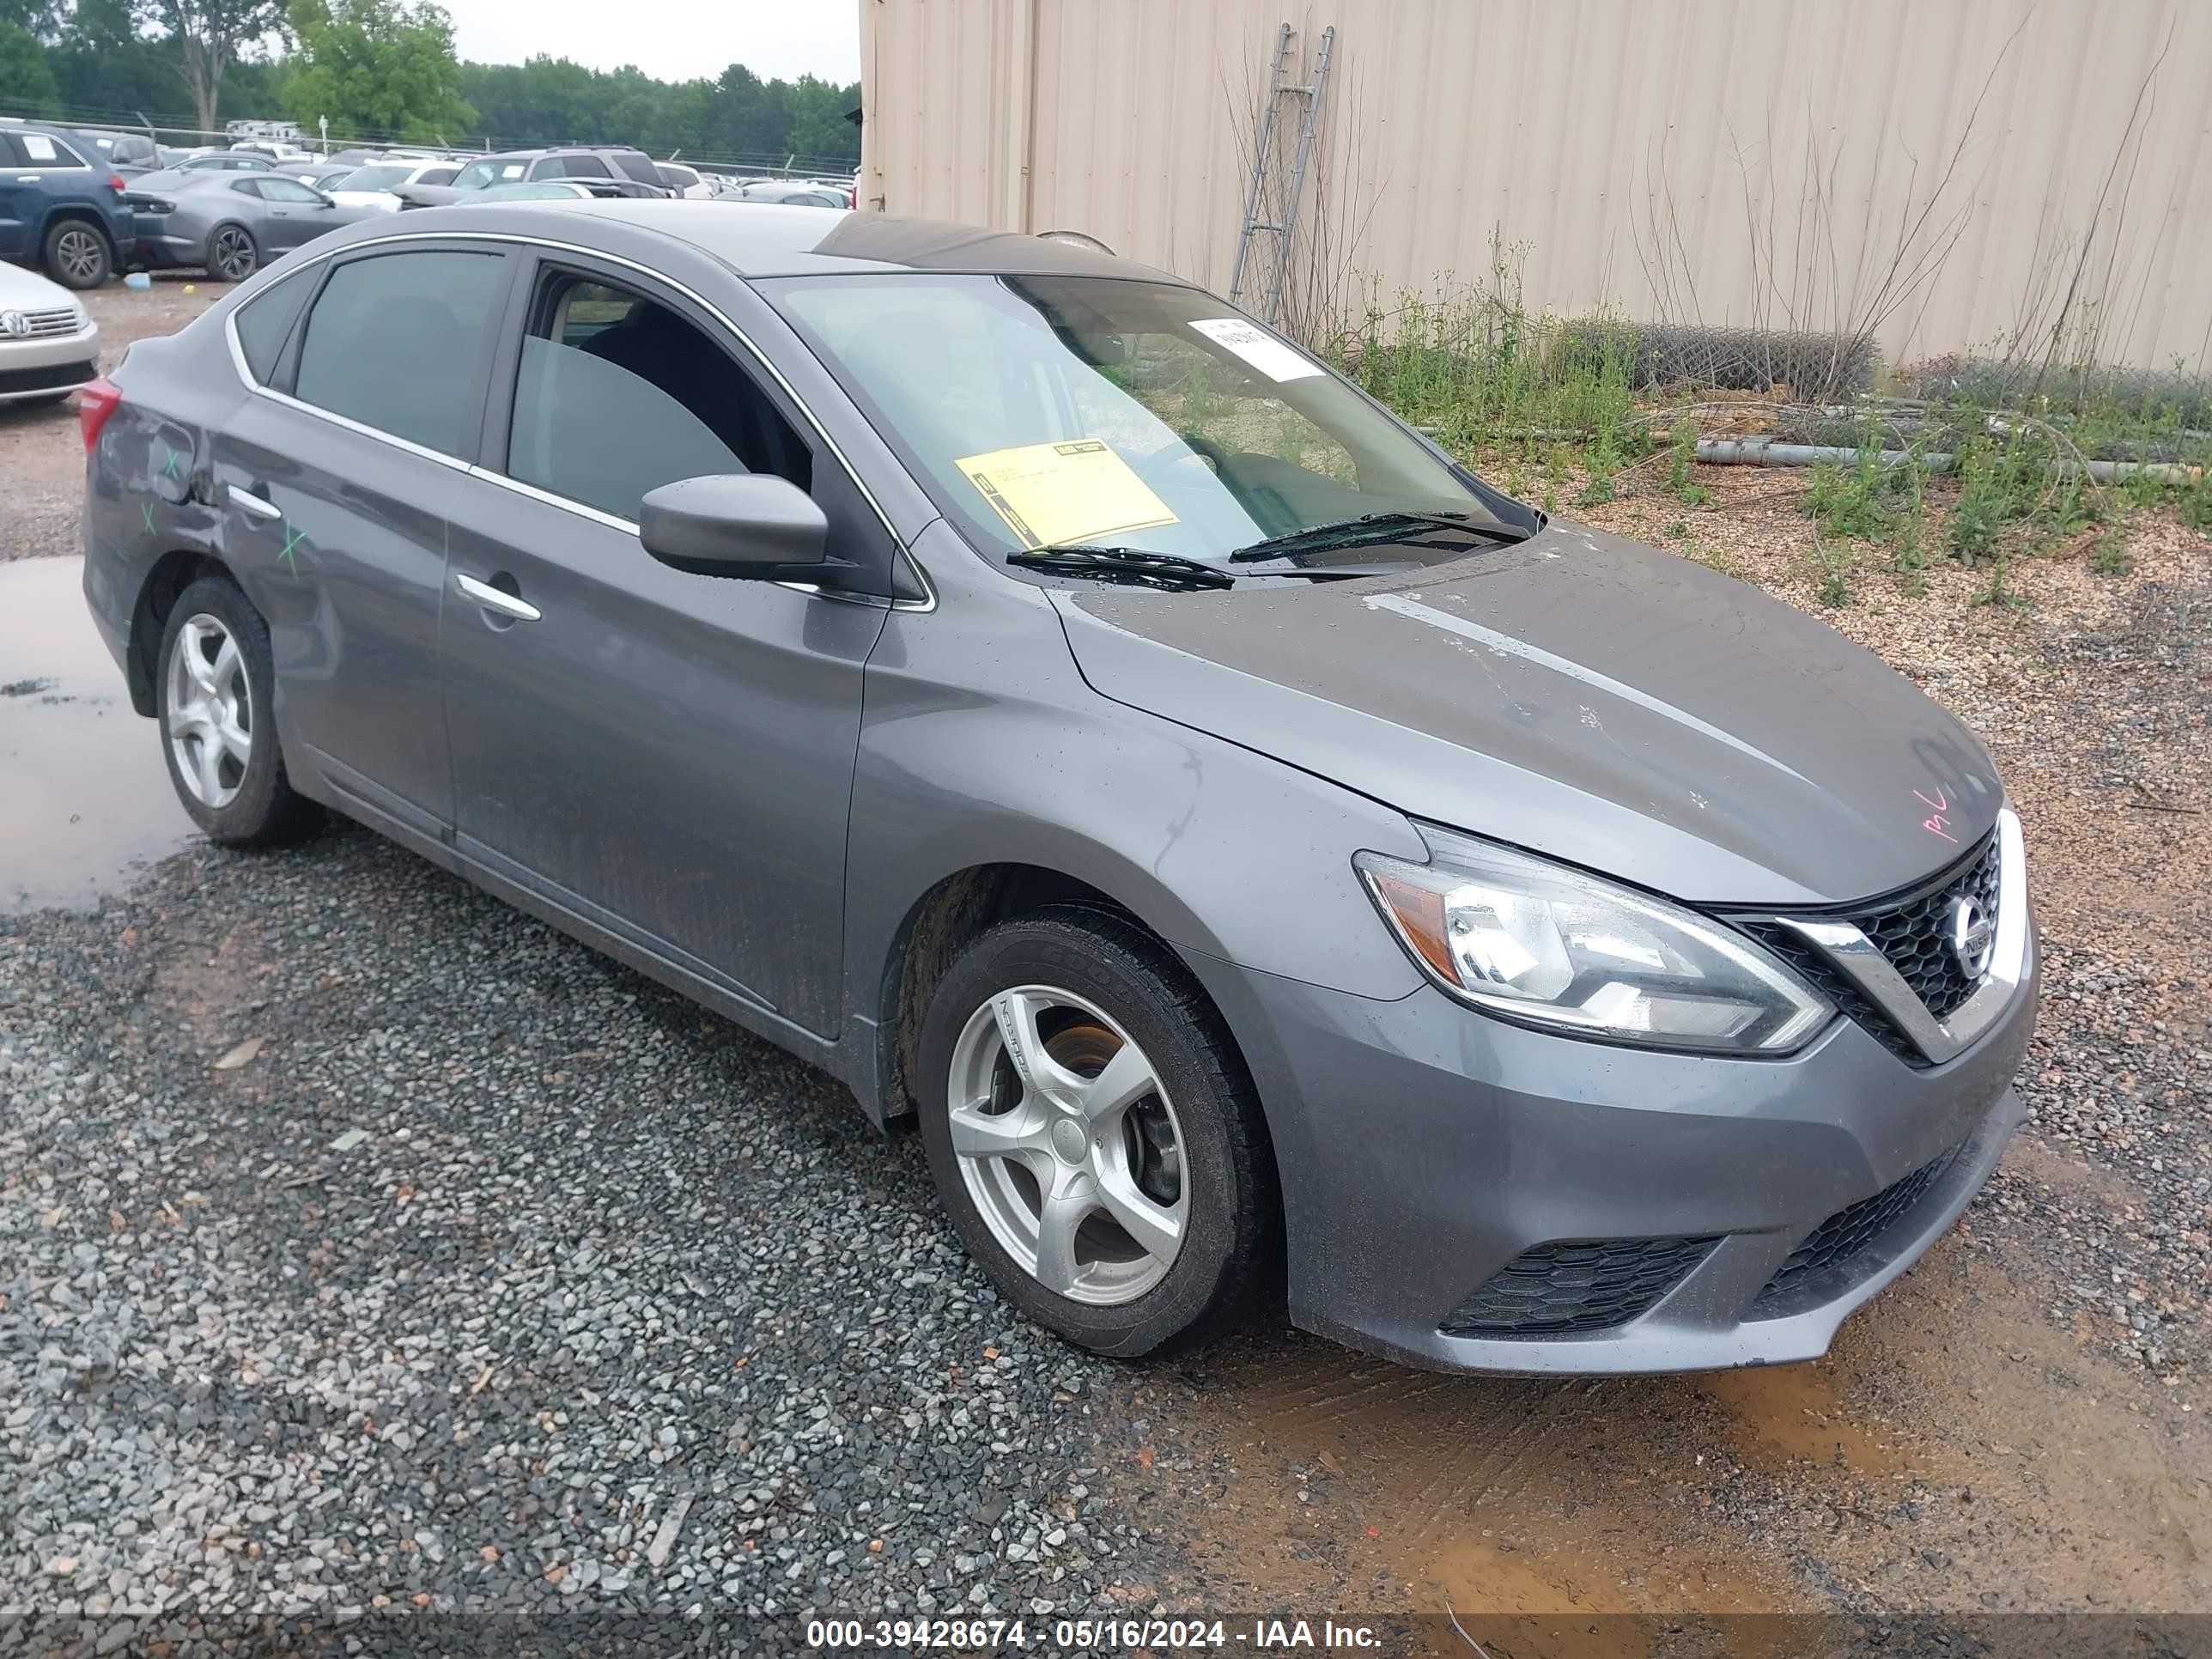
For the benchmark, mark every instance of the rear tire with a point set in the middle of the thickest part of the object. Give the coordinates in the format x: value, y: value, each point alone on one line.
x: 1135, y: 1218
x: 232, y: 254
x: 76, y: 255
x: 214, y: 696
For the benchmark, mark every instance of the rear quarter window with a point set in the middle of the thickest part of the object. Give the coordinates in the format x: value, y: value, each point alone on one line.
x: 264, y: 323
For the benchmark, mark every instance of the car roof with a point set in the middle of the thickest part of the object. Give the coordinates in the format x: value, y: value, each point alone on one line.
x: 763, y: 239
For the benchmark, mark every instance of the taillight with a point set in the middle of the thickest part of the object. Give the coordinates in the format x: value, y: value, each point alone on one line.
x: 95, y: 404
x: 115, y: 183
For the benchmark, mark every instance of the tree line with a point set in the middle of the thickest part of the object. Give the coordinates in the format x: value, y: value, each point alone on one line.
x: 386, y: 70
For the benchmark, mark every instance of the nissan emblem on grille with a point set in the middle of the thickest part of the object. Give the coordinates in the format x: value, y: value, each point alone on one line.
x: 1972, y: 937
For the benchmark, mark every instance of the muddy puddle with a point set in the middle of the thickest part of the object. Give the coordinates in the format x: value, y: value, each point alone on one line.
x: 1954, y: 1456
x: 85, y: 799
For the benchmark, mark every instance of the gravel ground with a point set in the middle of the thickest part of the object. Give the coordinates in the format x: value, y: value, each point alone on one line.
x: 41, y: 462
x: 491, y: 1267
x: 493, y: 1277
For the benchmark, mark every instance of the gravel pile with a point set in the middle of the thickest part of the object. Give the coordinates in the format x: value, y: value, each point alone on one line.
x: 364, y: 1244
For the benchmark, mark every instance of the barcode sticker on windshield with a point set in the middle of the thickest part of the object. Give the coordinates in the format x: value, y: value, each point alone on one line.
x: 1257, y: 347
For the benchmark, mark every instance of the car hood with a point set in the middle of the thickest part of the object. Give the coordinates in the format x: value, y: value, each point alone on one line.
x: 25, y: 290
x: 1581, y: 695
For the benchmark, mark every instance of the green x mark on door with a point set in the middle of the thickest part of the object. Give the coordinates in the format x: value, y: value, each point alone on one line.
x: 171, y: 459
x: 292, y: 539
x: 146, y: 516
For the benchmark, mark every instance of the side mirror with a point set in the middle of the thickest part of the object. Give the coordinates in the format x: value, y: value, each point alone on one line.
x: 743, y: 524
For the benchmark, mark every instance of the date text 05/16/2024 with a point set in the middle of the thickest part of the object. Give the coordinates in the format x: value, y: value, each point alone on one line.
x: 1087, y: 1635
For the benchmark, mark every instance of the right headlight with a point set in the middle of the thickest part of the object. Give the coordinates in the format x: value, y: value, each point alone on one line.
x: 1550, y: 946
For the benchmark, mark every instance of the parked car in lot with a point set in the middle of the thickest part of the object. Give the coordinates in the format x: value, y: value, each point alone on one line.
x: 544, y: 190
x: 228, y: 224
x: 797, y: 193
x: 1102, y: 736
x: 49, y: 344
x: 684, y: 181
x: 58, y: 210
x: 225, y: 160
x: 377, y: 185
x: 128, y: 153
x: 529, y: 165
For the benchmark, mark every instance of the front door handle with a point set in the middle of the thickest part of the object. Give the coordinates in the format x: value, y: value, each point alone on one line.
x: 493, y: 598
x: 258, y: 506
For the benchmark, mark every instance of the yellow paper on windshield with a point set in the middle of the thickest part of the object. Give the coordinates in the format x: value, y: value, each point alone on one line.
x: 1051, y: 495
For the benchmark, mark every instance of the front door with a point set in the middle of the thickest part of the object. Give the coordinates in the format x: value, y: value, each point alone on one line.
x: 668, y: 756
x: 335, y: 483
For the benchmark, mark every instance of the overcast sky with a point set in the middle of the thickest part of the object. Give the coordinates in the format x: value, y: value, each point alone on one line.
x: 674, y: 40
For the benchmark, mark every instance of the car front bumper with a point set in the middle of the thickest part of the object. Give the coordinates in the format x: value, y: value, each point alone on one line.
x: 1425, y: 1149
x: 53, y: 363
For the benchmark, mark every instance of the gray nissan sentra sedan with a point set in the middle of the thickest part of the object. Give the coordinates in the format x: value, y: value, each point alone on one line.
x: 1245, y: 843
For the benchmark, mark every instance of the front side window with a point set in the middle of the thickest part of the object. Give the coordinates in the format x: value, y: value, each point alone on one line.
x: 288, y: 190
x: 619, y: 394
x: 1052, y: 411
x: 396, y: 340
x: 435, y: 176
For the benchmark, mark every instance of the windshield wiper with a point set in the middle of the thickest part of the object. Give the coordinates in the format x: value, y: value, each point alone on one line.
x: 1124, y: 564
x: 1368, y: 529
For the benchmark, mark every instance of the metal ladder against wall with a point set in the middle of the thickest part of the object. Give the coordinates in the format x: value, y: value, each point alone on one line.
x: 1284, y: 227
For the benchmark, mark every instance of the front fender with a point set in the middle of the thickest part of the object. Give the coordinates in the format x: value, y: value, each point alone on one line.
x: 981, y: 745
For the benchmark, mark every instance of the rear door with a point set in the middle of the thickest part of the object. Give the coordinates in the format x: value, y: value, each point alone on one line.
x: 335, y: 480
x: 668, y: 756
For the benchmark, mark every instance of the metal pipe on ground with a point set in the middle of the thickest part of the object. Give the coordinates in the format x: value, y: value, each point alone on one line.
x: 1772, y: 452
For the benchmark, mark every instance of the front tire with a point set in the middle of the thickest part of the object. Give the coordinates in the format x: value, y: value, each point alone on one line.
x: 214, y: 696
x: 232, y: 254
x: 76, y: 255
x: 1094, y: 1134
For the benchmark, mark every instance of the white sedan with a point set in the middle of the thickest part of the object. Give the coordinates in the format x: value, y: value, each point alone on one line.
x: 49, y: 344
x: 377, y: 185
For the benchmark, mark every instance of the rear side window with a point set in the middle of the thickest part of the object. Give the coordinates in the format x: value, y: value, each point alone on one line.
x: 619, y: 394
x: 397, y: 341
x: 264, y: 323
x: 579, y: 166
x: 43, y: 150
x: 640, y: 166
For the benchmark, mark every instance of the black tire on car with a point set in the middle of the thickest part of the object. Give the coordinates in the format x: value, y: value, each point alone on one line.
x: 1197, y: 1145
x: 201, y: 710
x: 232, y: 254
x: 76, y: 254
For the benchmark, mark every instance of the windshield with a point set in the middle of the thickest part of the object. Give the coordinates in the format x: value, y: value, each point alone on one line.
x: 478, y: 174
x: 380, y: 177
x: 1053, y: 411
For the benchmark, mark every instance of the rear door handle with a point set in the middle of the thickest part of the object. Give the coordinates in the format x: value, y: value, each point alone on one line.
x: 258, y: 506
x: 492, y: 598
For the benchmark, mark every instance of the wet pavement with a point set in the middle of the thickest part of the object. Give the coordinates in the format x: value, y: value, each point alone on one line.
x: 86, y: 803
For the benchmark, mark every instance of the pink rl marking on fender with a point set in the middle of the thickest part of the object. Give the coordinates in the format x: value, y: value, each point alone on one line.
x: 1934, y: 826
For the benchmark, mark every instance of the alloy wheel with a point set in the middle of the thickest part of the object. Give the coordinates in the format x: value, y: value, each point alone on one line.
x: 1068, y: 1145
x: 80, y: 255
x: 233, y: 254
x: 209, y: 711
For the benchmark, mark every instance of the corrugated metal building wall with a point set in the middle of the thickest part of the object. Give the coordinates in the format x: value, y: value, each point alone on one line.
x: 1968, y: 170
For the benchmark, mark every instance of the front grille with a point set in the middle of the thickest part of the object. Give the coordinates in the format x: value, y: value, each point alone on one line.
x: 57, y: 377
x: 46, y: 324
x: 1913, y: 932
x: 1580, y: 1284
x: 1843, y: 1249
